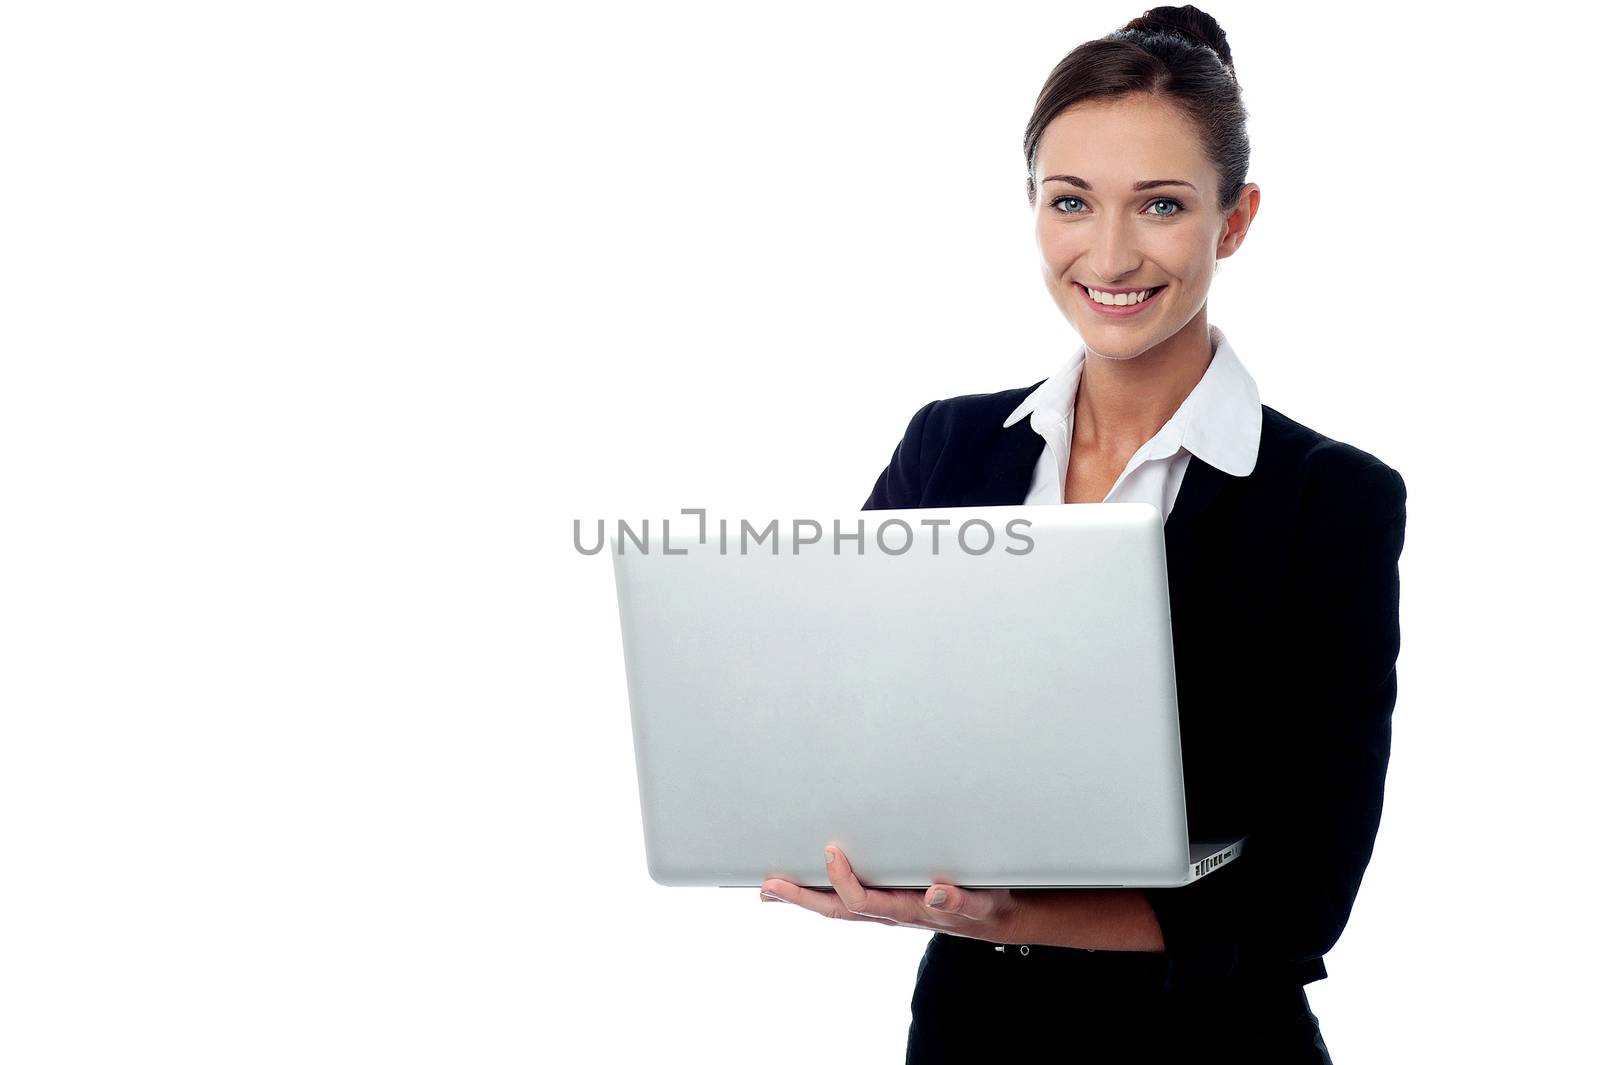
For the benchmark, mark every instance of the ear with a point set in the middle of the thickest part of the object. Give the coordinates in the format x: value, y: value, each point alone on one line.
x: 1238, y: 220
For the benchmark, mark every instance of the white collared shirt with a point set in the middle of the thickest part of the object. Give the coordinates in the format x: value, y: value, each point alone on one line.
x: 1219, y: 420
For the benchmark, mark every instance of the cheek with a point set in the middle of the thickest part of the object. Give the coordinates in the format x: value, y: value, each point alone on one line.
x: 1197, y: 278
x: 1056, y: 248
x: 1183, y: 259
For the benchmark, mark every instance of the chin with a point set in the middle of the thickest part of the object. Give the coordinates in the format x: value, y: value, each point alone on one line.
x: 1115, y: 356
x: 1117, y: 343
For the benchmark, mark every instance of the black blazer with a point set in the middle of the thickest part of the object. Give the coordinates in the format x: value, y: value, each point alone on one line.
x: 1285, y: 595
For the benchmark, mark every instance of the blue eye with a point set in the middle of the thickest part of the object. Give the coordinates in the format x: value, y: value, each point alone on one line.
x: 1177, y: 207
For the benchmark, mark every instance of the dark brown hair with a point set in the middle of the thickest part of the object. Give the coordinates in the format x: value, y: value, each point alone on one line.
x: 1175, y: 53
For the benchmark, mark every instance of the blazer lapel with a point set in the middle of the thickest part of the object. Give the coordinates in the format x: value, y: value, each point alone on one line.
x: 1202, y: 487
x: 1006, y: 476
x: 1202, y: 484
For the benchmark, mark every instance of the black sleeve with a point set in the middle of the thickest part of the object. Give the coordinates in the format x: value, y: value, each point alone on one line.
x: 899, y: 486
x: 1284, y: 902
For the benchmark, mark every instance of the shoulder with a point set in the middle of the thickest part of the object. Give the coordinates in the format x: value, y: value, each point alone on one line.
x: 958, y: 448
x: 1332, y: 480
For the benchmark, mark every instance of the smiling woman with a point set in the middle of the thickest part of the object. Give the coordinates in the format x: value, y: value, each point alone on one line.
x: 1282, y: 544
x: 1129, y: 249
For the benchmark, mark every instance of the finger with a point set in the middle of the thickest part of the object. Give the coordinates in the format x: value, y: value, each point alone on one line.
x: 826, y: 903
x: 888, y: 905
x: 770, y: 890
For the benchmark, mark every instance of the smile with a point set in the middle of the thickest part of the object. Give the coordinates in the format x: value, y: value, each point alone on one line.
x: 1120, y: 304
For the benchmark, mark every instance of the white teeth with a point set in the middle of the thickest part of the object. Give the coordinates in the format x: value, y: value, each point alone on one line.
x: 1122, y: 299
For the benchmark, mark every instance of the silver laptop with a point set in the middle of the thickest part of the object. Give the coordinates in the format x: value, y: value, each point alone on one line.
x: 981, y: 696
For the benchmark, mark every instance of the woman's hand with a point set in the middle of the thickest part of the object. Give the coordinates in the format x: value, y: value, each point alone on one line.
x: 978, y: 913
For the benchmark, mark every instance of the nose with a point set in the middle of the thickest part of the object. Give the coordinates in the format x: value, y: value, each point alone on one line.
x: 1114, y: 254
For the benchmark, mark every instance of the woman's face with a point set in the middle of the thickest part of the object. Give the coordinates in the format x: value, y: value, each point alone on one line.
x: 1126, y: 199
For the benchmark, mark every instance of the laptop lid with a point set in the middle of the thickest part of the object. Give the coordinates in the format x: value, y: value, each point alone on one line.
x: 977, y: 695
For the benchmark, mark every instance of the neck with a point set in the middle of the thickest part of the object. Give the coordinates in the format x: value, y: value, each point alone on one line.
x: 1124, y: 402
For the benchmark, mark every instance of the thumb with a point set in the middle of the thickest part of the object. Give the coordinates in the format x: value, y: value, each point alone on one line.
x: 949, y: 899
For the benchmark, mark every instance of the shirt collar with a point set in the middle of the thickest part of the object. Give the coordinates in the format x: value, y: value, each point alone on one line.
x: 1219, y: 421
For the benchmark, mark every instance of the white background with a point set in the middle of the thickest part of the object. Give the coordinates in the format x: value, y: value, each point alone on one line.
x: 322, y: 322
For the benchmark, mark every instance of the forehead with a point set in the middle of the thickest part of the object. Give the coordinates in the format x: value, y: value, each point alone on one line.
x: 1114, y: 143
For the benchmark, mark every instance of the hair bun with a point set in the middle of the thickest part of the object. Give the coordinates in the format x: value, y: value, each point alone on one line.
x: 1186, y: 21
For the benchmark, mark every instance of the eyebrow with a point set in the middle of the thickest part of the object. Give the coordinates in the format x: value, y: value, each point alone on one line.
x: 1138, y: 186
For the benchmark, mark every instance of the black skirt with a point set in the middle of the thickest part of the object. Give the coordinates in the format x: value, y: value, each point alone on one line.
x: 974, y: 1001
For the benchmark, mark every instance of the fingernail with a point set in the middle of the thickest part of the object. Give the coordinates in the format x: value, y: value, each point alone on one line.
x: 939, y: 897
x: 765, y: 897
x: 827, y: 855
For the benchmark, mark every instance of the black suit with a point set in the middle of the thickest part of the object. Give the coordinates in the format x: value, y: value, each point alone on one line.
x: 1285, y: 622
